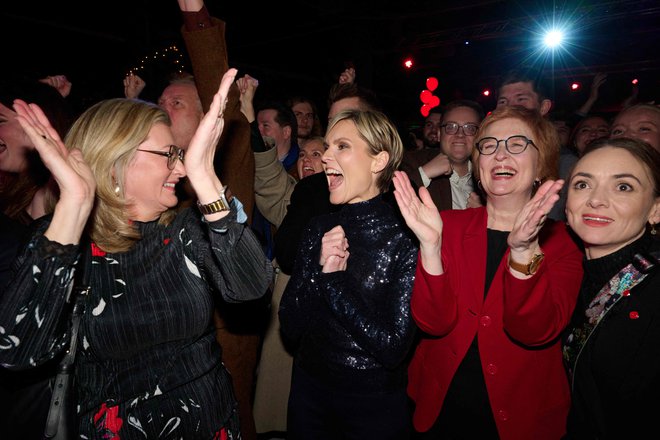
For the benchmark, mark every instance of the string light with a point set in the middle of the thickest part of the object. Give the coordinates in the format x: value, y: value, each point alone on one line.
x: 170, y: 54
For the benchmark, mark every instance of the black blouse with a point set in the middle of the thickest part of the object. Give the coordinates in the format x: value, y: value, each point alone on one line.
x: 148, y: 360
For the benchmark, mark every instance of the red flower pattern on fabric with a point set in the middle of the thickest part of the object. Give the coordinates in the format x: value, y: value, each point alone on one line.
x: 167, y: 240
x: 107, y: 420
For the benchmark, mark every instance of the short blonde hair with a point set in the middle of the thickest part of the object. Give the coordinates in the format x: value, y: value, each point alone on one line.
x: 380, y: 134
x: 108, y: 134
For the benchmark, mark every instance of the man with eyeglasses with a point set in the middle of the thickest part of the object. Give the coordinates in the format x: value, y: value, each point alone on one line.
x: 447, y: 173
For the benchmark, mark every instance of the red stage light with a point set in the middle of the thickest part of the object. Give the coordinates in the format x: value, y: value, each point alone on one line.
x: 575, y: 86
x: 635, y: 81
x: 408, y: 63
x: 486, y: 92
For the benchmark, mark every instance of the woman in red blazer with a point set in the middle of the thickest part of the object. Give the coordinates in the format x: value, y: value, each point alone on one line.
x: 495, y: 286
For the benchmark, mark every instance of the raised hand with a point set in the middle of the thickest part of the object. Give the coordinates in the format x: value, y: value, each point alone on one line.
x: 347, y: 76
x: 334, y: 250
x: 133, y: 86
x: 73, y: 176
x: 59, y: 83
x: 423, y: 218
x: 523, y: 238
x: 201, y: 150
x: 247, y: 86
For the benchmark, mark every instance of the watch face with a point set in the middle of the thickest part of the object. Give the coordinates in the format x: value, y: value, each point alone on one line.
x: 535, y: 263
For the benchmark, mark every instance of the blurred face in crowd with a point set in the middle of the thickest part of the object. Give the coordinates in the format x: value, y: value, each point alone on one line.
x: 268, y: 126
x: 309, y: 158
x: 305, y: 117
x: 431, y: 130
x: 610, y: 200
x: 350, y: 168
x: 563, y: 130
x: 458, y: 146
x: 182, y: 104
x: 639, y: 123
x: 588, y: 130
x: 15, y: 145
x: 149, y: 184
x: 522, y: 94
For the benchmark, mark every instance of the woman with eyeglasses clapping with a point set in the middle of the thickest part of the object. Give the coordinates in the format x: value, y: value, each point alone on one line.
x: 148, y: 362
x: 495, y: 286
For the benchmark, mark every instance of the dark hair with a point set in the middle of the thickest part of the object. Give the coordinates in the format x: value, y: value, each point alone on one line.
x: 366, y: 96
x: 527, y: 74
x: 55, y: 106
x: 18, y: 190
x: 648, y: 156
x: 478, y: 109
x: 284, y: 115
x: 317, y: 128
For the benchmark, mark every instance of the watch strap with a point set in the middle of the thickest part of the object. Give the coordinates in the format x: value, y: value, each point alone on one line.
x: 528, y: 268
x: 219, y: 205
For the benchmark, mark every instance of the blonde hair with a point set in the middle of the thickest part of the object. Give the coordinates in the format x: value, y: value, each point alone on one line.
x: 380, y: 134
x: 108, y: 134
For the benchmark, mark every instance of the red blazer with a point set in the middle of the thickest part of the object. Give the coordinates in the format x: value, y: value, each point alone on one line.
x: 527, y: 388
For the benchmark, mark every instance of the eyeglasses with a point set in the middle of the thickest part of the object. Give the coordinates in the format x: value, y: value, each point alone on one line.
x: 468, y: 129
x: 172, y: 156
x: 513, y: 144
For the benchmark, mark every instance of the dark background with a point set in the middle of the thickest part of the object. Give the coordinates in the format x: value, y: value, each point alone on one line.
x: 300, y: 47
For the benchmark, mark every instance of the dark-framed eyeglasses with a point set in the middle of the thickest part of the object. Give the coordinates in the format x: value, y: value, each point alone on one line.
x: 172, y: 155
x: 453, y: 127
x: 513, y: 144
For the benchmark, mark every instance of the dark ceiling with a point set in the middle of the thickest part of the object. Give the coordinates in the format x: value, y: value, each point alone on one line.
x: 301, y: 46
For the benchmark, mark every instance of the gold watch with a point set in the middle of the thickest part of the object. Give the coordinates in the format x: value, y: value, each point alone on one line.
x: 529, y: 268
x: 222, y: 204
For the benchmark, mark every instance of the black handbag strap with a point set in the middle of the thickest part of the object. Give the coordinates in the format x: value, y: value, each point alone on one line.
x: 81, y: 289
x: 63, y: 380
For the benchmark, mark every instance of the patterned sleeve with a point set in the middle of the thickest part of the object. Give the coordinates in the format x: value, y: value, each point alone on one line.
x: 237, y: 266
x: 33, y: 308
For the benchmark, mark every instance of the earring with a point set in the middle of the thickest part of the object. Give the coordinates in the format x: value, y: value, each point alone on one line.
x: 537, y: 183
x: 653, y: 230
x: 479, y: 184
x: 117, y: 190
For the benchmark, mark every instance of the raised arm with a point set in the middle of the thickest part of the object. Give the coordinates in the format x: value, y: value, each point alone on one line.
x: 201, y: 151
x: 73, y: 176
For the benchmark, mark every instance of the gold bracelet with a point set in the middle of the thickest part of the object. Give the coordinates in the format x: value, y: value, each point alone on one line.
x: 220, y: 205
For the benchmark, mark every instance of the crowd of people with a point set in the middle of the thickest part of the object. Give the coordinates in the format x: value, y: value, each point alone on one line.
x: 257, y: 272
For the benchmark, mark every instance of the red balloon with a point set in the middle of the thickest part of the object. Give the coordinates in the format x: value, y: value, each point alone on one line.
x: 425, y: 96
x: 434, y: 102
x: 432, y: 83
x: 425, y: 110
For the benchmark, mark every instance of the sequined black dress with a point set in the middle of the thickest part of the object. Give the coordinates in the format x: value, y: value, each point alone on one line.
x: 352, y: 330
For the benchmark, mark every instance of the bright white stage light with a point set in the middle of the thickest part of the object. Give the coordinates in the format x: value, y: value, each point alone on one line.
x: 553, y: 38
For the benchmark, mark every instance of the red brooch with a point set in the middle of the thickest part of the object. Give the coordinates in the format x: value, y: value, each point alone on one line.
x: 97, y: 252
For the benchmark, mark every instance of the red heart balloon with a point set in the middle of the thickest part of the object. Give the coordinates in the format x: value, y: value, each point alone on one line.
x: 425, y: 96
x: 431, y: 83
x: 425, y: 110
x: 434, y: 101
